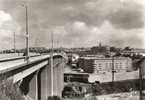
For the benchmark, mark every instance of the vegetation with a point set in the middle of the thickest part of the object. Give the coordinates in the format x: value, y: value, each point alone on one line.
x: 86, y: 65
x: 101, y: 49
x: 31, y: 49
x: 116, y: 87
x: 10, y: 91
x: 53, y: 98
x: 104, y: 88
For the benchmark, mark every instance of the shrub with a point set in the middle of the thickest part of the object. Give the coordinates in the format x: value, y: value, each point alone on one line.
x: 53, y: 98
x: 10, y: 91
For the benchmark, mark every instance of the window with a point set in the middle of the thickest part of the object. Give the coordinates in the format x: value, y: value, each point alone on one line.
x: 111, y: 64
x: 120, y: 65
x: 100, y: 66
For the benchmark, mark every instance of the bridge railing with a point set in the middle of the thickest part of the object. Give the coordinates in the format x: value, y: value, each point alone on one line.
x: 15, y: 58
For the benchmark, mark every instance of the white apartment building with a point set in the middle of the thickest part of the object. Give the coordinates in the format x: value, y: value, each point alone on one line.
x: 120, y: 64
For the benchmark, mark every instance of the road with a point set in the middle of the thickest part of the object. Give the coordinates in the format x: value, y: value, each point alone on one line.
x: 11, y: 64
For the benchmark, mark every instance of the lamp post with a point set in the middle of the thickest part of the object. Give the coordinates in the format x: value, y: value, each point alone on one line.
x: 14, y: 42
x: 51, y: 61
x: 113, y: 71
x: 140, y: 82
x: 27, y: 33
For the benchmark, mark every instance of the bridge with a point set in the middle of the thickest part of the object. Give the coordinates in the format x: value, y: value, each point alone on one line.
x: 34, y: 78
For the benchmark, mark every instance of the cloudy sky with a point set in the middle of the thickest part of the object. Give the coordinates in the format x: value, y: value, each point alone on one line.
x: 74, y: 23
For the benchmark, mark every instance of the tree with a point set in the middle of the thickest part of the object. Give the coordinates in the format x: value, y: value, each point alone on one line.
x: 53, y: 98
x: 127, y: 48
x: 100, y: 49
x: 86, y: 65
x: 10, y: 91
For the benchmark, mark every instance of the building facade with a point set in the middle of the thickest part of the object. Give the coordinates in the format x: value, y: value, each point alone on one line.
x: 119, y: 64
x: 103, y: 64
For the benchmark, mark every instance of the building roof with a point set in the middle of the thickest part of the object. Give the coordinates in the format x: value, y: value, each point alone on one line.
x: 104, y: 58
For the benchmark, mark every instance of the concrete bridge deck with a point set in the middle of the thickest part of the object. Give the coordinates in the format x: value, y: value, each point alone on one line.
x: 35, y: 75
x: 6, y: 65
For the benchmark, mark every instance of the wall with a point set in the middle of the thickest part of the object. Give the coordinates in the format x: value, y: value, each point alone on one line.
x: 105, y: 65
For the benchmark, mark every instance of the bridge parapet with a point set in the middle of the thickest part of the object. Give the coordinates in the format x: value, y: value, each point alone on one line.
x: 10, y: 64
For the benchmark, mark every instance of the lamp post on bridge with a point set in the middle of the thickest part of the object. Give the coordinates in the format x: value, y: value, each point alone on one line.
x: 14, y: 42
x: 141, y: 64
x: 51, y: 61
x: 113, y: 70
x: 27, y: 33
x: 140, y: 83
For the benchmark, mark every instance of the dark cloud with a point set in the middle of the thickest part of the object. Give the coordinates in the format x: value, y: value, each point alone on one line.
x: 129, y: 40
x: 127, y: 19
x: 48, y: 14
x: 122, y: 15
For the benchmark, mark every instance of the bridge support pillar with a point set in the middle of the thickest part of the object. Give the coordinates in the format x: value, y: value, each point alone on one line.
x: 46, y: 80
x: 38, y: 85
x: 58, y: 78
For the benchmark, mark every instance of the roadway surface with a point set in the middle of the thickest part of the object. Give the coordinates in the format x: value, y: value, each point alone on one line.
x: 10, y: 64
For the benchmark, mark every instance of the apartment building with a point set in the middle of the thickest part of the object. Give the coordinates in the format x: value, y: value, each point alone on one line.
x: 119, y: 64
x: 103, y: 64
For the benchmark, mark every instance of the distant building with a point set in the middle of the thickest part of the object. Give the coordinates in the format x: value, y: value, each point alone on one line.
x: 120, y: 64
x: 76, y: 50
x: 72, y: 58
x: 92, y: 56
x: 102, y: 64
x: 134, y: 51
x: 76, y: 77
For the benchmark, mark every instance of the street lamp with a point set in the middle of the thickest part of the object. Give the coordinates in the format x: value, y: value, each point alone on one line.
x: 140, y: 83
x: 14, y: 42
x: 113, y: 70
x: 51, y: 61
x: 27, y: 33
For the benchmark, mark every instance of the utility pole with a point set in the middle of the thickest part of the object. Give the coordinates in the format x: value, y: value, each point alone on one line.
x: 113, y: 70
x: 57, y: 43
x: 51, y: 61
x: 140, y: 83
x: 14, y: 42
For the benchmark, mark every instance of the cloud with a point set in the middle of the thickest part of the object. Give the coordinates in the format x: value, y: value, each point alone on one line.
x: 80, y: 34
x: 4, y: 17
x: 78, y: 22
x: 121, y: 37
x: 7, y: 28
x: 60, y: 12
x: 75, y: 34
x: 127, y: 18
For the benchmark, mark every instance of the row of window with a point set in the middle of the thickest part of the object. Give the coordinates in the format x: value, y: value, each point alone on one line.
x: 108, y: 66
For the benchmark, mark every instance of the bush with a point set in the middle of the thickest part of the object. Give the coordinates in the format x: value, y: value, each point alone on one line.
x: 10, y: 91
x: 53, y: 98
